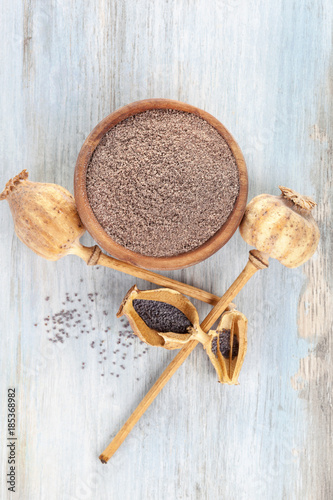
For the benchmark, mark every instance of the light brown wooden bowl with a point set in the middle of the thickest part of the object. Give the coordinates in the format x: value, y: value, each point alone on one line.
x: 180, y: 261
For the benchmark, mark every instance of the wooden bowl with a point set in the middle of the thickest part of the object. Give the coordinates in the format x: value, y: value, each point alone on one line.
x: 88, y: 218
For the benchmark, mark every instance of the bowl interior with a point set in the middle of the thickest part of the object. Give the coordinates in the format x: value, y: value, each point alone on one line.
x: 96, y: 230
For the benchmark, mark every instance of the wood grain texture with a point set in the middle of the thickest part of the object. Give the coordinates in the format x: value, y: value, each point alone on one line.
x: 264, y: 69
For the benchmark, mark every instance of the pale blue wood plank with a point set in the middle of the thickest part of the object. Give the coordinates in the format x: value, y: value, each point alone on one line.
x: 263, y: 69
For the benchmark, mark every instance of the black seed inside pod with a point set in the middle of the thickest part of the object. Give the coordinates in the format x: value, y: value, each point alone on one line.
x: 225, y: 344
x: 161, y: 316
x: 214, y: 346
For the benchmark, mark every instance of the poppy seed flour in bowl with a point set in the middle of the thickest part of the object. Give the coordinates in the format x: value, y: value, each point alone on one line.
x: 162, y: 182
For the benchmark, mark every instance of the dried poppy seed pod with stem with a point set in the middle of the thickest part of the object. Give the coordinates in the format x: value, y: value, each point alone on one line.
x: 47, y: 221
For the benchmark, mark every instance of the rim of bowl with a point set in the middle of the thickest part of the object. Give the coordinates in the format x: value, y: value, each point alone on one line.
x: 217, y: 241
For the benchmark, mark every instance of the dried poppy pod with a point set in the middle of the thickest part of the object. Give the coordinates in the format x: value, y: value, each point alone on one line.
x: 281, y: 226
x: 45, y: 216
x: 226, y: 346
x: 161, y: 317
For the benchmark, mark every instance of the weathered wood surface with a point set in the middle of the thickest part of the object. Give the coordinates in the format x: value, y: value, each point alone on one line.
x: 265, y: 70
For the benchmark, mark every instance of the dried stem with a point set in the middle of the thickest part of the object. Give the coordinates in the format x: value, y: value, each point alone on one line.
x: 257, y: 260
x: 94, y: 256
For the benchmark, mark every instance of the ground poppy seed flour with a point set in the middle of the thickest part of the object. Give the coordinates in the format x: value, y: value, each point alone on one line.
x: 162, y: 182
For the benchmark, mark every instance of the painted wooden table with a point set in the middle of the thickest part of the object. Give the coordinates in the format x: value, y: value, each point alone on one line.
x: 263, y: 68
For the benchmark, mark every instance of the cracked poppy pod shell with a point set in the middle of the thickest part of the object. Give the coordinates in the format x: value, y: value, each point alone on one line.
x: 226, y: 346
x: 281, y: 226
x: 169, y: 300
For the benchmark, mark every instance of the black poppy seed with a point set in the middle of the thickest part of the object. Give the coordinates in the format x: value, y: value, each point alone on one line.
x: 161, y: 316
x: 214, y: 346
x: 225, y: 344
x: 117, y: 375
